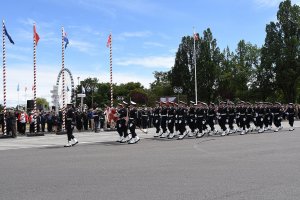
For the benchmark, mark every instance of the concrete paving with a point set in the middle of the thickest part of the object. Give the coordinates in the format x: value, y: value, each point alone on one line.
x: 254, y: 166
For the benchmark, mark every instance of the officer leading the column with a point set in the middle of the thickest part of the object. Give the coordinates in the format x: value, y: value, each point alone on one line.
x: 70, y: 123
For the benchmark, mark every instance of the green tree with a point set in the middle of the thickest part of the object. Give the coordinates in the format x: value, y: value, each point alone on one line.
x: 208, y: 65
x: 226, y: 89
x: 281, y: 49
x: 42, y: 103
x: 161, y: 87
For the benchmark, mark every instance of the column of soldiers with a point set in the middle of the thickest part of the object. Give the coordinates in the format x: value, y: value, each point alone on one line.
x: 197, y: 119
x: 171, y: 120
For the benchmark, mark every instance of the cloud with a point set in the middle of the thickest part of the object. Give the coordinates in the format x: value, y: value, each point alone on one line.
x: 138, y: 34
x: 30, y: 22
x: 18, y: 57
x: 154, y: 44
x: 83, y: 29
x: 27, y: 21
x: 81, y: 45
x: 149, y: 62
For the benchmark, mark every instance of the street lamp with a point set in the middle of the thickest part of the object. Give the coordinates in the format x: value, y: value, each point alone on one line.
x: 91, y: 88
x: 177, y: 90
x: 120, y: 98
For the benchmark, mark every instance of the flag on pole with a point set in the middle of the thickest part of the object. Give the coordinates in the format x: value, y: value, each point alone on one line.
x: 8, y: 36
x: 36, y: 36
x: 18, y: 87
x: 108, y: 41
x: 65, y: 39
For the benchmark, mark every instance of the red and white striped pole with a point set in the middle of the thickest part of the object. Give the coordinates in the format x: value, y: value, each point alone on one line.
x: 4, y: 78
x: 63, y: 78
x: 34, y: 83
x: 111, y: 75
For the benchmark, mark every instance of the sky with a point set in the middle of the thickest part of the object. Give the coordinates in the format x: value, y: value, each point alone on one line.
x: 145, y: 37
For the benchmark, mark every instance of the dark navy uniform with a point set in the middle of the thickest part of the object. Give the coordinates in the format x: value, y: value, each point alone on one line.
x: 211, y: 114
x: 171, y: 121
x: 156, y: 120
x: 290, y: 112
x: 132, y: 124
x: 70, y: 120
x: 163, y: 120
x: 192, y: 120
x: 121, y: 125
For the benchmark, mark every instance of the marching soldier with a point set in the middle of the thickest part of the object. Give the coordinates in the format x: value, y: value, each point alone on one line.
x: 145, y: 119
x: 156, y: 119
x: 231, y: 117
x: 132, y: 123
x: 121, y: 123
x: 243, y: 117
x: 181, y: 117
x: 70, y: 123
x: 171, y: 120
x: 267, y: 117
x: 290, y: 112
x: 176, y: 119
x: 249, y: 117
x: 211, y: 114
x: 222, y: 116
x: 163, y: 120
x: 260, y: 117
x: 192, y: 119
x: 277, y: 112
x: 200, y: 119
x: 255, y: 115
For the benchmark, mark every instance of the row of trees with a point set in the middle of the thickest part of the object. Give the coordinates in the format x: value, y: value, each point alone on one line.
x: 252, y: 73
x: 268, y: 73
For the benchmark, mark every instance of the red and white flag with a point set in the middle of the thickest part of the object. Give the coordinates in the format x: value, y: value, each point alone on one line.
x: 108, y: 41
x: 36, y: 36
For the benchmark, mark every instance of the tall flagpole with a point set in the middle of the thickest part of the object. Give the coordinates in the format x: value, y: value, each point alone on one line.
x: 196, y: 92
x: 4, y: 78
x: 63, y: 78
x: 18, y: 96
x: 34, y: 83
x: 111, y: 75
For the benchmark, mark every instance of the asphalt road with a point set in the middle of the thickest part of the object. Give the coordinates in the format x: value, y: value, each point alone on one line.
x: 255, y: 166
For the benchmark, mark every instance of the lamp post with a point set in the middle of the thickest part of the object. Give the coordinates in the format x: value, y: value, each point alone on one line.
x: 120, y: 98
x: 177, y: 90
x: 92, y: 89
x: 76, y: 91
